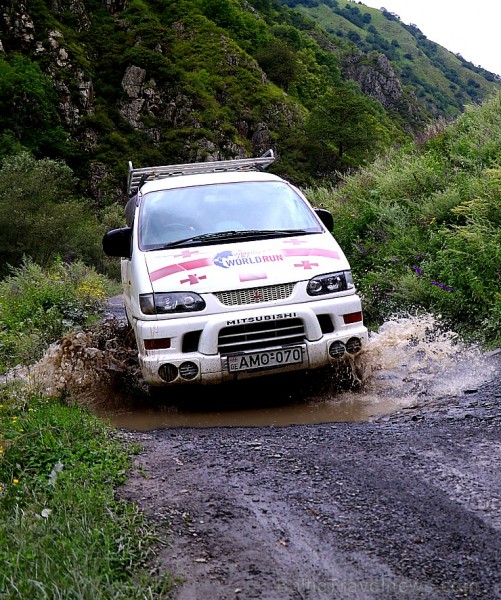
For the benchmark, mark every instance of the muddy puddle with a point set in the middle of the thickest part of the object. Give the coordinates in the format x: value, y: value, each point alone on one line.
x: 269, y: 413
x: 408, y: 362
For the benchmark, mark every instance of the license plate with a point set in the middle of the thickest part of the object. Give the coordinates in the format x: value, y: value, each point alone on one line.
x: 265, y: 360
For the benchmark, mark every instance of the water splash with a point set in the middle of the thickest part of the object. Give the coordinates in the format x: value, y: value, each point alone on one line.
x: 83, y: 365
x: 423, y: 355
x: 408, y: 362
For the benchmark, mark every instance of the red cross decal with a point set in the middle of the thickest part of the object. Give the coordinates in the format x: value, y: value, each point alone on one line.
x: 192, y: 279
x: 306, y: 264
x: 187, y: 253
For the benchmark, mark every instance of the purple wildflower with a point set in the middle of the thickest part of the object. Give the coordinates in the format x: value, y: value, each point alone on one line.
x: 442, y: 286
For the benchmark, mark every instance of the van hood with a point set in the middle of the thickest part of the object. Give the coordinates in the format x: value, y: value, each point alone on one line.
x: 221, y: 267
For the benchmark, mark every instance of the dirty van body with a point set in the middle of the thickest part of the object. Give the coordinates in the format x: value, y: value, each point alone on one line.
x: 229, y: 273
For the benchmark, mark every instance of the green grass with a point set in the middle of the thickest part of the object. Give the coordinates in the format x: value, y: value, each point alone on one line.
x: 63, y: 531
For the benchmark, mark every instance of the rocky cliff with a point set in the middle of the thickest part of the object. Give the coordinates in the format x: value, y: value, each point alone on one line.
x: 161, y: 82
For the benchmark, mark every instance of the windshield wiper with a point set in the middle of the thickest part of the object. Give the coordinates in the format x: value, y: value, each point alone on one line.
x: 291, y: 231
x: 227, y: 235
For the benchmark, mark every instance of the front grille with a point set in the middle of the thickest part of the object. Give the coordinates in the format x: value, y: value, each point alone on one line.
x: 259, y: 336
x: 255, y: 295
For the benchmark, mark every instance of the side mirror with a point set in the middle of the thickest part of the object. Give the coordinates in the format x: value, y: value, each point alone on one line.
x: 326, y: 218
x: 117, y: 242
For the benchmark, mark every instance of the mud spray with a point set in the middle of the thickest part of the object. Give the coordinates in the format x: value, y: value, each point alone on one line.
x: 409, y: 362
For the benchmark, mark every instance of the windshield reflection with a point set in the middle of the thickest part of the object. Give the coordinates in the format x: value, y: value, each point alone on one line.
x: 183, y: 213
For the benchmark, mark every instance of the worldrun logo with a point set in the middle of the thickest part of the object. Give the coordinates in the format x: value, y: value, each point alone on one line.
x: 228, y: 259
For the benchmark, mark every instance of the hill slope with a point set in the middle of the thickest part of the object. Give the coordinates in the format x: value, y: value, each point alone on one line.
x: 99, y: 83
x: 444, y: 82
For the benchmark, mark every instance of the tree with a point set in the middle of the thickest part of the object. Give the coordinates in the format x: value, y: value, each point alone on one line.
x: 222, y: 12
x: 40, y: 217
x: 279, y: 62
x: 28, y: 103
x: 350, y: 125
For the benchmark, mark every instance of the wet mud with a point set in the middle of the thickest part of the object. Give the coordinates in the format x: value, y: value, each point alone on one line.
x: 406, y: 506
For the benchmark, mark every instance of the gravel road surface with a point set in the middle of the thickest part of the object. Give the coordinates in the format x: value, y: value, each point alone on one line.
x: 405, y: 506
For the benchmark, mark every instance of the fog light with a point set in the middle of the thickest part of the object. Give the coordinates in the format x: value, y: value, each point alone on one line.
x: 354, y: 345
x: 337, y: 349
x: 168, y: 372
x: 188, y: 370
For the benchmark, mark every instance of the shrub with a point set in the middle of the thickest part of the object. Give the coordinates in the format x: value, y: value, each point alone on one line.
x: 38, y: 306
x: 41, y: 216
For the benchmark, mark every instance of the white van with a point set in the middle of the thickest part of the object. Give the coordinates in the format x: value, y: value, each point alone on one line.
x: 229, y: 273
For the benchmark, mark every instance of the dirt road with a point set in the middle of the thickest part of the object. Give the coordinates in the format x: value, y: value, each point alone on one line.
x: 406, y: 506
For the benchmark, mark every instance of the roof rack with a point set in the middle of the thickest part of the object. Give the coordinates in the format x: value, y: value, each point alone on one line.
x: 137, y: 177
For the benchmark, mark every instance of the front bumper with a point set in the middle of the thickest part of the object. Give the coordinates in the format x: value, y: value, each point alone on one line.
x: 206, y: 364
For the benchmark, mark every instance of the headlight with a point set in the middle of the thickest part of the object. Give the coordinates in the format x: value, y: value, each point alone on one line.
x: 330, y: 283
x: 170, y: 302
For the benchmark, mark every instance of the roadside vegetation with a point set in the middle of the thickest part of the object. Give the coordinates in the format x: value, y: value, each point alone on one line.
x: 38, y: 306
x: 64, y: 532
x: 421, y: 227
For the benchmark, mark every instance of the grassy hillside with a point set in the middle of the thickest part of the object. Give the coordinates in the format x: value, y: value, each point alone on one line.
x: 422, y: 225
x: 98, y: 84
x: 443, y: 81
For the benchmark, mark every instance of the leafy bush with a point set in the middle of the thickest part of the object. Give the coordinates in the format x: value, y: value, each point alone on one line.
x: 38, y: 306
x: 469, y: 261
x: 41, y: 216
